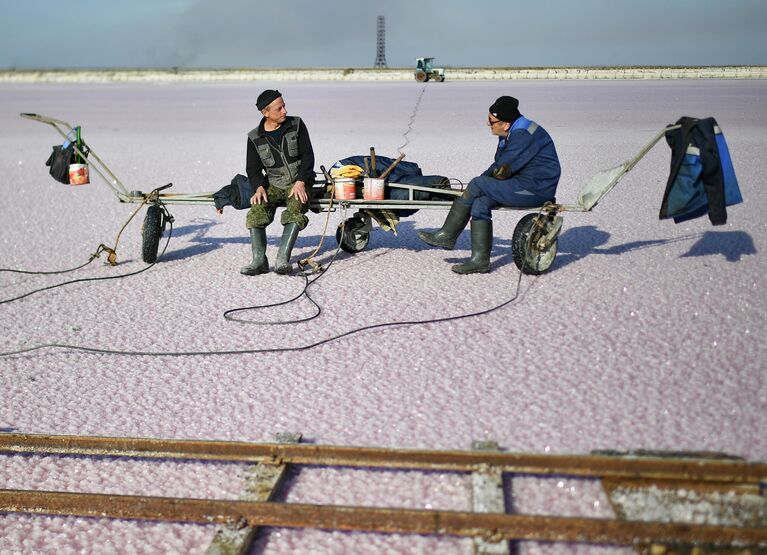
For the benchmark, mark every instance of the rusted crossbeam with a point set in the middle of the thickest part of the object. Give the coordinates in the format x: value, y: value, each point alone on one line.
x: 261, y: 484
x: 588, y: 466
x: 367, y: 519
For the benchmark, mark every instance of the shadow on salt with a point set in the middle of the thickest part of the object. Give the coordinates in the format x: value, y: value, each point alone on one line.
x: 579, y: 242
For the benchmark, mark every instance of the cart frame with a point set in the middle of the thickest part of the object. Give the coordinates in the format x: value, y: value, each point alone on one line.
x: 534, y: 241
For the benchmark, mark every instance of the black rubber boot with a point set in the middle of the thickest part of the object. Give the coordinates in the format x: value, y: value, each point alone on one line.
x: 481, y: 243
x: 289, y: 234
x: 446, y: 237
x: 260, y: 264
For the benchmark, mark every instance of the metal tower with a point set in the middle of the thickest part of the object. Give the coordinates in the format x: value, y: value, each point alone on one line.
x: 381, y: 44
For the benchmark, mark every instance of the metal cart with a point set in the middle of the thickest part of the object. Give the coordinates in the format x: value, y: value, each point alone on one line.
x: 534, y: 241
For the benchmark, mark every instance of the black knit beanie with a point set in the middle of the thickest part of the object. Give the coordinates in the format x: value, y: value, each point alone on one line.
x: 266, y: 98
x: 505, y: 109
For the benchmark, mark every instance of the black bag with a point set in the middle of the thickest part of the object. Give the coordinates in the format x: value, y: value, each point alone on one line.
x: 59, y: 161
x: 66, y: 154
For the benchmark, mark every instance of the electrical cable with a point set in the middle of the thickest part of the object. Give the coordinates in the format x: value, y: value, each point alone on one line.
x: 103, y: 278
x: 412, y: 120
x: 118, y: 352
x: 111, y: 252
x: 307, y: 261
x: 53, y: 272
x: 96, y: 350
x: 304, y: 293
x: 111, y: 257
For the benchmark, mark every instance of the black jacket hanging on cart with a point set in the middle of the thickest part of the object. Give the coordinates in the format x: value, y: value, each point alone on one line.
x: 702, y: 178
x: 236, y: 194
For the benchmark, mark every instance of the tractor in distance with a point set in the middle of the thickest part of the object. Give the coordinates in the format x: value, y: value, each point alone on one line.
x: 425, y: 70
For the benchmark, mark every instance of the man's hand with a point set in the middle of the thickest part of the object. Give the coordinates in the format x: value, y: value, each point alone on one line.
x: 299, y: 192
x: 502, y: 172
x: 260, y: 196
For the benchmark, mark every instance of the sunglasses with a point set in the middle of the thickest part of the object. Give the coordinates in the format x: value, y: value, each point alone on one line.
x: 491, y: 122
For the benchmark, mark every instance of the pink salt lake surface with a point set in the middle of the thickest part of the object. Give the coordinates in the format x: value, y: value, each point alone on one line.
x: 644, y: 334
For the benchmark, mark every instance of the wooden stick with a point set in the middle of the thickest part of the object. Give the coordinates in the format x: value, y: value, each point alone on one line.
x: 394, y: 165
x: 373, y: 162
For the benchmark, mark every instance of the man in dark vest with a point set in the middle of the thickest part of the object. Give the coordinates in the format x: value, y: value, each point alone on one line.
x: 525, y: 173
x: 280, y: 167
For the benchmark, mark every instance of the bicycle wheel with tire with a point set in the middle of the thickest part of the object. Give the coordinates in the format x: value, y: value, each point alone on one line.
x: 529, y: 255
x: 354, y: 238
x: 151, y: 231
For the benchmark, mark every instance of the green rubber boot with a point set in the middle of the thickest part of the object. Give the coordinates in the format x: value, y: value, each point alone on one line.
x: 289, y: 234
x: 481, y: 243
x: 446, y: 237
x: 260, y: 264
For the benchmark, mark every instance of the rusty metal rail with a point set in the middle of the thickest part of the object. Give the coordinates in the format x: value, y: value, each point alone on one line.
x: 330, y: 517
x: 713, y: 474
x: 583, y: 466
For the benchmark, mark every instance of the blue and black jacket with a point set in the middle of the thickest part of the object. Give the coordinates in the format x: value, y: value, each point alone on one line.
x: 702, y: 178
x: 527, y: 155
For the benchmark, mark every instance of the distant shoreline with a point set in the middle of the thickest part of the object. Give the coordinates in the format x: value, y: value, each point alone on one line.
x: 32, y: 76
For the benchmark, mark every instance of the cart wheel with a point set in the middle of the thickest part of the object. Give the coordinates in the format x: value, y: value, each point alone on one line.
x: 355, y: 239
x: 421, y: 76
x: 151, y: 231
x: 528, y: 256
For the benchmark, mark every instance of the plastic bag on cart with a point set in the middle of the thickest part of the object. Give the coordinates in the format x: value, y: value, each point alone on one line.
x: 59, y: 161
x: 62, y: 156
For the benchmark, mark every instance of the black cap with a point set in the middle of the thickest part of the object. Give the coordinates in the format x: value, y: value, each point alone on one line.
x: 266, y: 98
x: 505, y: 109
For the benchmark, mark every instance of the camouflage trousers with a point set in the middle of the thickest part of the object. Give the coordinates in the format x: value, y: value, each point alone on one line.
x: 261, y: 215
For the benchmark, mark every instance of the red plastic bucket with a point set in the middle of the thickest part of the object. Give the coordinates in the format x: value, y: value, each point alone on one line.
x: 78, y: 174
x: 344, y: 188
x: 373, y: 188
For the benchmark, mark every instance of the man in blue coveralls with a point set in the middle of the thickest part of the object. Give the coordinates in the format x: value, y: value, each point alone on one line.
x: 525, y: 173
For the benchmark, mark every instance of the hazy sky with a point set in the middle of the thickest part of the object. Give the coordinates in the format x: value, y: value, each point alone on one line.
x: 342, y: 33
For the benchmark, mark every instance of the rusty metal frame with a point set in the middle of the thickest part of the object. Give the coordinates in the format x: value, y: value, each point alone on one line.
x: 494, y: 527
x: 491, y: 526
x: 583, y: 466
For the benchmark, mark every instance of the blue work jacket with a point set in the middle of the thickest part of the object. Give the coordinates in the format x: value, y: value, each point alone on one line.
x: 530, y: 158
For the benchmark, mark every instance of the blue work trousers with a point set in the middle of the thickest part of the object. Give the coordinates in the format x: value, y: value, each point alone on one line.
x: 485, y: 193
